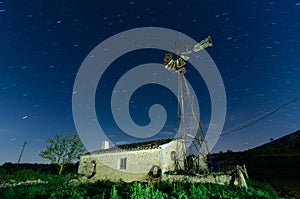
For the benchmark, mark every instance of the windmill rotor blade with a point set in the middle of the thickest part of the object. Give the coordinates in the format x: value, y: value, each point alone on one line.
x: 180, y: 62
x: 167, y: 58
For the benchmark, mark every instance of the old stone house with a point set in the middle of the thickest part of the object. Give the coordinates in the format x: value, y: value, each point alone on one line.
x: 134, y: 162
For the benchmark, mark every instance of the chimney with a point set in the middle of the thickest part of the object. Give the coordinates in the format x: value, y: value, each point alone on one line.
x: 105, y: 144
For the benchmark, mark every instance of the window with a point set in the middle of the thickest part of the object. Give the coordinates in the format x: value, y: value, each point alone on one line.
x: 123, y: 163
x: 173, y: 155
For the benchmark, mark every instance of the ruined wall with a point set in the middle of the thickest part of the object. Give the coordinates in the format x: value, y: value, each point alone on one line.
x: 87, y: 165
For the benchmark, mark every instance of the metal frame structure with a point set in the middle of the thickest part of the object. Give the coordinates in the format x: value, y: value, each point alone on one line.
x: 196, y: 156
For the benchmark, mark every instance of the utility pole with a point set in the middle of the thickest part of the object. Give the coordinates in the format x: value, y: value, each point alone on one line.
x: 22, y: 151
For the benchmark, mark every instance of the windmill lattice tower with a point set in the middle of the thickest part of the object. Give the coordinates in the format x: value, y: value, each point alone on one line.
x: 190, y: 129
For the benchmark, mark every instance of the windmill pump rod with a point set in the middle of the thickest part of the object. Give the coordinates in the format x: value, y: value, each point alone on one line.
x: 22, y: 151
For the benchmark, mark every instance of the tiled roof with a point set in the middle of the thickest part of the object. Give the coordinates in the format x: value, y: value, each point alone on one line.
x: 155, y: 144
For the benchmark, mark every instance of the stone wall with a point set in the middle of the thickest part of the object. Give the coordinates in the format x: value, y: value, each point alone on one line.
x: 206, y: 178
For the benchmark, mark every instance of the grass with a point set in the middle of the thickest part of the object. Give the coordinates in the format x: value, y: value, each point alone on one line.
x: 59, y: 186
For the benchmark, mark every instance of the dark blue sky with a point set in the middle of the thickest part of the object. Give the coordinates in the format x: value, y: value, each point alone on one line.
x: 43, y: 43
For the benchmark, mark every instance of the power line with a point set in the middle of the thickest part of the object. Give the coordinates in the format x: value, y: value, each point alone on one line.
x: 258, y: 119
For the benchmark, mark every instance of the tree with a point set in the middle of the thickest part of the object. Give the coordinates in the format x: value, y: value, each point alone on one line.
x: 63, y: 150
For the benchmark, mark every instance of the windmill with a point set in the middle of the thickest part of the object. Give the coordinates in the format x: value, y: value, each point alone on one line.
x: 195, y: 157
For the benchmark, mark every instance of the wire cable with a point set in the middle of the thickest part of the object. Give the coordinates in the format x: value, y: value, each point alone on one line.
x: 257, y: 119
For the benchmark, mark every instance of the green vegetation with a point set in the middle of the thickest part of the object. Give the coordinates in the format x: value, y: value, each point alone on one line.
x: 63, y: 150
x: 65, y: 186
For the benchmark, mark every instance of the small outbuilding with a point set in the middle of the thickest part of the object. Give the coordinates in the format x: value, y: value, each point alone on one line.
x: 134, y: 162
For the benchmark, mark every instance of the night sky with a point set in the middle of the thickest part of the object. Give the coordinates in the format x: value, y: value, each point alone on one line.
x: 43, y: 43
